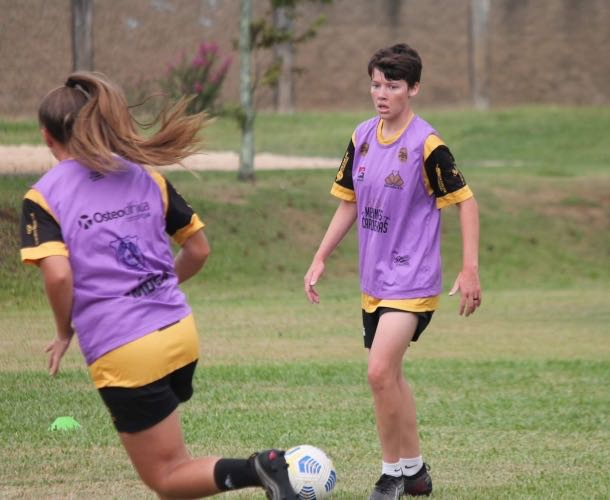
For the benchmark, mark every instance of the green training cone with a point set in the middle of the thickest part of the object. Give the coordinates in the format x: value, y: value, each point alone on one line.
x: 64, y: 424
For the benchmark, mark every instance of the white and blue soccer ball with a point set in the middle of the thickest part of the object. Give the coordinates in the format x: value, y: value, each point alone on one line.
x: 311, y: 472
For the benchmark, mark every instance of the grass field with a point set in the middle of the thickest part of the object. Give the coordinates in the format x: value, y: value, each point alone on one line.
x: 513, y: 402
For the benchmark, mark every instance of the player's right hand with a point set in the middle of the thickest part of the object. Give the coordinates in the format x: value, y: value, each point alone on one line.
x: 311, y: 279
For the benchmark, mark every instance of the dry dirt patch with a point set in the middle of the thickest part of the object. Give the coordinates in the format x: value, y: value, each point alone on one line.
x: 36, y: 159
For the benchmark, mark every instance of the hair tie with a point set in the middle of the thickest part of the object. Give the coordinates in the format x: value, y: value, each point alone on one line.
x: 73, y: 84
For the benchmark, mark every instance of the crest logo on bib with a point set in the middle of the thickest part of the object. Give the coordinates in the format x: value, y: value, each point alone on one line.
x: 394, y: 180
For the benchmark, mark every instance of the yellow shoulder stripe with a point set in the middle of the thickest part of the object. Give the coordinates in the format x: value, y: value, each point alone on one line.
x: 160, y: 180
x: 432, y: 142
x: 37, y: 198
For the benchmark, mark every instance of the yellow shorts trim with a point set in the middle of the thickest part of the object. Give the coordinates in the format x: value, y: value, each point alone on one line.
x: 148, y: 358
x: 370, y: 304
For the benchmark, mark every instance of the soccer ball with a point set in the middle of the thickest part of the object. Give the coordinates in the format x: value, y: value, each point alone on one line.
x: 311, y: 472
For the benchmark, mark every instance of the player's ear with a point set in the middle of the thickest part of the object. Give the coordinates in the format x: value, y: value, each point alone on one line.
x: 414, y: 90
x: 48, y: 138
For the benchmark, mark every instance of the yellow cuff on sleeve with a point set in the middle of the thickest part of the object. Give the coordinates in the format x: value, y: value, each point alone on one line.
x: 458, y: 196
x: 342, y: 193
x: 187, y: 231
x: 33, y: 255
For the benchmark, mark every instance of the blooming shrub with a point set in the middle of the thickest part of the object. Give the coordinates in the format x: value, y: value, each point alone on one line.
x: 201, y: 77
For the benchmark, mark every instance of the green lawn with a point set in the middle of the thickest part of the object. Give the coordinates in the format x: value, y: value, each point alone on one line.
x: 513, y: 402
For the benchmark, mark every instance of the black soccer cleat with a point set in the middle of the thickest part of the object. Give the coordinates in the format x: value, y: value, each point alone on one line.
x: 272, y: 470
x: 420, y: 484
x: 387, y: 488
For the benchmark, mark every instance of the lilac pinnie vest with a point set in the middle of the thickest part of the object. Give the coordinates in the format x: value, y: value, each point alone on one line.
x: 114, y: 228
x: 398, y: 222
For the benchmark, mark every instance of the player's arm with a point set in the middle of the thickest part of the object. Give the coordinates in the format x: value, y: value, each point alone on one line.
x: 58, y: 283
x: 42, y: 244
x: 342, y: 221
x: 467, y: 281
x: 447, y: 184
x: 186, y: 229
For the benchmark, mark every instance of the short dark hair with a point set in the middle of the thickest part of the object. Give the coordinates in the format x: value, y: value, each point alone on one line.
x: 398, y: 62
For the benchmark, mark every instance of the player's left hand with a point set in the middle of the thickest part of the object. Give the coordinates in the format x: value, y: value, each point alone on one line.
x: 469, y: 286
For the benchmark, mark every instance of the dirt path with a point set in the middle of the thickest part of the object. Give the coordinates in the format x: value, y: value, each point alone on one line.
x: 36, y: 159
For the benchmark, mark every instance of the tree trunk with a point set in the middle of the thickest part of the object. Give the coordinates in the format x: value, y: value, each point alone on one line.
x: 284, y: 90
x: 246, y: 159
x: 479, y: 53
x: 82, y: 35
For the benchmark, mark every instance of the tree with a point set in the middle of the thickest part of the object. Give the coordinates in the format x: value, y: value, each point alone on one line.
x: 479, y: 53
x: 82, y: 35
x: 283, y: 16
x: 246, y: 116
x: 259, y: 36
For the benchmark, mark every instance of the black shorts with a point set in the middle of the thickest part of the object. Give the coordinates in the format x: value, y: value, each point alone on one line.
x: 371, y: 320
x: 135, y: 409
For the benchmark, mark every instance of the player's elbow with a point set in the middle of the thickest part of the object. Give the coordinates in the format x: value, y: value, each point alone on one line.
x: 197, y: 248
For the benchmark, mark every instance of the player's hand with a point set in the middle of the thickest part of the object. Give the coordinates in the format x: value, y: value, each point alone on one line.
x: 56, y: 349
x: 311, y: 278
x: 469, y: 286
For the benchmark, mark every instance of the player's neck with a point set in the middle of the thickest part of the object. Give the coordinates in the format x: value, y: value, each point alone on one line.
x: 392, y: 127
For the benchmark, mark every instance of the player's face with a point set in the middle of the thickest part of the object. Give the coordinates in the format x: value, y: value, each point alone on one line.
x: 390, y: 97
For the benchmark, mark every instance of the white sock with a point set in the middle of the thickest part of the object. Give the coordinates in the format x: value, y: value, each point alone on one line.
x: 411, y: 466
x: 391, y: 469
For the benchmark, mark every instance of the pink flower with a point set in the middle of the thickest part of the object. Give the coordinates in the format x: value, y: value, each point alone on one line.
x: 197, y: 87
x: 199, y: 61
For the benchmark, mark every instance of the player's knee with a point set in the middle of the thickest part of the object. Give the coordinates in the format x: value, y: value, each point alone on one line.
x: 380, y: 377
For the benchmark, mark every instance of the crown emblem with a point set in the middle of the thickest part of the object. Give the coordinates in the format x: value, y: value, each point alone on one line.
x: 394, y: 180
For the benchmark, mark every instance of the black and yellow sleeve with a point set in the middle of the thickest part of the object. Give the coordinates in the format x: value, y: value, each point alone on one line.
x: 343, y: 187
x: 442, y: 177
x: 40, y: 231
x: 181, y: 221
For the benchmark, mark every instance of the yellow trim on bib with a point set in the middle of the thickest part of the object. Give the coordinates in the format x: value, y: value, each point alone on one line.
x: 370, y: 304
x: 148, y: 358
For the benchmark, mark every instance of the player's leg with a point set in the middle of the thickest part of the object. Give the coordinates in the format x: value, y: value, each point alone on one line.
x: 394, y: 403
x: 162, y: 461
x: 394, y: 408
x: 164, y: 464
x: 417, y: 481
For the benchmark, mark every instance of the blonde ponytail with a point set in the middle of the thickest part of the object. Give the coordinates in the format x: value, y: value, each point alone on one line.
x: 91, y: 118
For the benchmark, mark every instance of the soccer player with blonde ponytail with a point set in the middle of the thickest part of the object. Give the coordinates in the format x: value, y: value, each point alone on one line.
x: 98, y: 225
